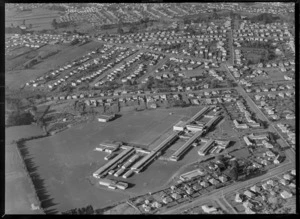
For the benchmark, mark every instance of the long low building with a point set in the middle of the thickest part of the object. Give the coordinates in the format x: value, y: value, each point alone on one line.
x: 149, y: 157
x: 212, y: 122
x: 107, y: 182
x: 167, y: 141
x: 126, y: 165
x: 205, y: 148
x: 176, y: 156
x: 180, y: 126
x: 124, y: 153
x: 200, y: 113
x: 127, y: 174
x: 110, y: 145
x: 106, y: 118
x: 134, y: 158
x: 194, y: 128
x: 144, y: 160
x: 119, y: 172
x: 190, y: 175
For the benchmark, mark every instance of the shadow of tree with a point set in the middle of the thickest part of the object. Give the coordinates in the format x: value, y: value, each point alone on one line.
x: 41, y: 192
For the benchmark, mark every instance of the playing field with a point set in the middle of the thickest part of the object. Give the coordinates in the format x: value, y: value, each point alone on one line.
x: 66, y: 160
x: 275, y: 74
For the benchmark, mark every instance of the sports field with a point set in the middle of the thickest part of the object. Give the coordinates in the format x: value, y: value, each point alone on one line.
x: 66, y: 160
x: 275, y: 74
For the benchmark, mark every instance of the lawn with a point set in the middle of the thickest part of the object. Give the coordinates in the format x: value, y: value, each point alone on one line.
x: 123, y: 208
x: 275, y: 74
x: 19, y: 195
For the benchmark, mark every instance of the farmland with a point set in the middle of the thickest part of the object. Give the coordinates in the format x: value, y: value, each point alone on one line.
x: 64, y: 55
x: 39, y: 18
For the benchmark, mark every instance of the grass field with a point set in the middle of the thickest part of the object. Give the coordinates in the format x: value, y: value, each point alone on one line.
x: 38, y: 17
x: 196, y: 72
x: 123, y: 208
x: 65, y: 160
x: 19, y: 195
x: 275, y: 74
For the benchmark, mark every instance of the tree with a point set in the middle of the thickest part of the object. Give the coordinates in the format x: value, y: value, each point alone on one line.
x: 229, y: 83
x: 215, y: 15
x: 250, y: 62
x: 220, y: 158
x: 213, y: 84
x: 133, y: 29
x: 234, y: 163
x: 54, y: 23
x: 233, y: 173
x: 272, y: 137
x: 89, y: 209
x: 187, y: 20
x: 34, y: 108
x: 120, y: 30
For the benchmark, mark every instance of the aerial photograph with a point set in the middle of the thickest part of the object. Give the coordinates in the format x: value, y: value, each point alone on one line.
x: 150, y: 108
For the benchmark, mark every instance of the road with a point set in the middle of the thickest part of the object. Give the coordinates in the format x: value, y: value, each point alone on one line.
x: 151, y: 94
x: 253, y: 105
x: 219, y: 193
x: 105, y: 73
x: 154, y: 68
x: 230, y: 37
x: 179, y: 56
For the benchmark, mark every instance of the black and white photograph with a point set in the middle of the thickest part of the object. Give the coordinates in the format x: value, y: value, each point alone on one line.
x: 150, y: 108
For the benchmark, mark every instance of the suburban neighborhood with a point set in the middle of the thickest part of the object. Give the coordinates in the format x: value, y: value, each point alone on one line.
x: 150, y: 108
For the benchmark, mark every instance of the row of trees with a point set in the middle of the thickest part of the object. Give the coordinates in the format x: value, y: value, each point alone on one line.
x: 84, y: 210
x: 264, y: 18
x: 57, y: 25
x: 79, y: 107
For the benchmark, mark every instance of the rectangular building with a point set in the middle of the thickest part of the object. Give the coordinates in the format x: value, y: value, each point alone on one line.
x: 190, y: 175
x: 127, y: 174
x: 199, y: 114
x: 107, y: 182
x: 247, y: 141
x: 106, y: 118
x: 194, y: 128
x: 213, y: 121
x: 124, y: 153
x: 176, y: 156
x: 204, y: 149
x: 119, y: 172
x: 180, y: 126
x: 259, y: 136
